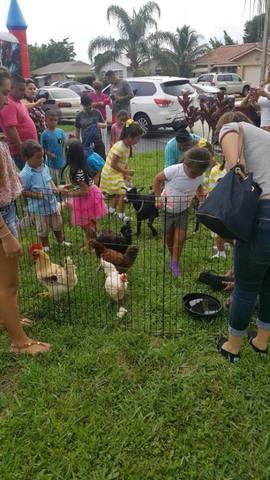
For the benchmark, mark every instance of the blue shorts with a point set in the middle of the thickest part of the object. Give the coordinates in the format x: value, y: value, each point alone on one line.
x: 9, y: 215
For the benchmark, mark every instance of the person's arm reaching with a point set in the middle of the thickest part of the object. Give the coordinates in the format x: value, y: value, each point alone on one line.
x: 230, y: 148
x: 157, y: 187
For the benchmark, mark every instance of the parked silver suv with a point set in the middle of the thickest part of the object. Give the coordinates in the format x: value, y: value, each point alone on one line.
x: 229, y: 82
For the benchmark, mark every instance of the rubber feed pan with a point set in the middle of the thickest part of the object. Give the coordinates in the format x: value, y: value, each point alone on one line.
x: 202, y: 305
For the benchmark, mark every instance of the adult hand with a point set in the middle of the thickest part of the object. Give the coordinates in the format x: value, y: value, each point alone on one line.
x: 11, y: 246
x: 261, y: 92
x: 40, y: 101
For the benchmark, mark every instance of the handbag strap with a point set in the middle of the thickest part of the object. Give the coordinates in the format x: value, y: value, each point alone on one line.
x: 241, y: 158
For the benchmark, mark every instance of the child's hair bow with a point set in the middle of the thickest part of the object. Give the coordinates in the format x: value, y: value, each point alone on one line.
x: 129, y: 122
x: 202, y: 143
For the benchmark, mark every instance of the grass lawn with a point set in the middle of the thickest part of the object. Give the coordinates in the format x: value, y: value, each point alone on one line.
x: 111, y: 401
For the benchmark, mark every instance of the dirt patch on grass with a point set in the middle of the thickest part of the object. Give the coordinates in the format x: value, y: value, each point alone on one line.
x: 127, y: 368
x: 8, y: 379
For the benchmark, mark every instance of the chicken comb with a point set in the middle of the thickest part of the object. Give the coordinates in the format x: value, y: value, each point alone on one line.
x: 35, y: 246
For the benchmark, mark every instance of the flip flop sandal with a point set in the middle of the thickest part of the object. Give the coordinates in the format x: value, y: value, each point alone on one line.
x: 19, y: 349
x: 233, y: 357
x: 252, y: 335
x: 26, y: 321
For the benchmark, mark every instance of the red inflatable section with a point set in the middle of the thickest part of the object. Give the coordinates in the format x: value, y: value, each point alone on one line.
x: 21, y: 36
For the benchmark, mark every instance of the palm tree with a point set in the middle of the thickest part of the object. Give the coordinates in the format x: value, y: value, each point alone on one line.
x: 133, y: 30
x: 183, y: 49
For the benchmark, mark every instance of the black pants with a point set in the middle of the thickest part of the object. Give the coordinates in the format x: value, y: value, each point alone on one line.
x: 100, y: 149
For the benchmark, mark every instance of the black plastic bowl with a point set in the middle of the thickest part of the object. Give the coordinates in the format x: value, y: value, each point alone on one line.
x: 202, y: 305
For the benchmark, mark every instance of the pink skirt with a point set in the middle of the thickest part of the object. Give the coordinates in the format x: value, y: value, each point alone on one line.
x: 87, y: 209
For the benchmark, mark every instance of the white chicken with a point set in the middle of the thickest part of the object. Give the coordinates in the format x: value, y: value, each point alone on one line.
x: 58, y: 280
x: 116, y: 283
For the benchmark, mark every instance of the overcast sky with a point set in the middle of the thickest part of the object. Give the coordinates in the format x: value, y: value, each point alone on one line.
x: 83, y: 20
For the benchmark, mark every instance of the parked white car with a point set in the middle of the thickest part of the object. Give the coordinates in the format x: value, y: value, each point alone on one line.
x: 66, y: 102
x: 229, y: 82
x: 155, y: 102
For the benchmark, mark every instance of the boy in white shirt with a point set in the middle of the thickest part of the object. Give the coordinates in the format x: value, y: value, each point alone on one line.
x: 182, y: 182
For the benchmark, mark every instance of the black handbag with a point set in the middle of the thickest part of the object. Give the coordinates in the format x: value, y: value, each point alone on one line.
x: 231, y: 207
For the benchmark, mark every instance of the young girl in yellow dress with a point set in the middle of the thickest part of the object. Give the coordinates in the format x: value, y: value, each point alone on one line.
x: 115, y: 171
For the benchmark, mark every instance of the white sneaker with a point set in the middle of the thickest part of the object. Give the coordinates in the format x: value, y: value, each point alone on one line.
x: 123, y: 217
x: 219, y: 255
x: 66, y: 244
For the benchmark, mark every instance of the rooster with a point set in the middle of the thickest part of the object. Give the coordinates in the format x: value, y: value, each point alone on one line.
x: 121, y: 261
x: 115, y: 284
x: 116, y: 241
x: 57, y: 279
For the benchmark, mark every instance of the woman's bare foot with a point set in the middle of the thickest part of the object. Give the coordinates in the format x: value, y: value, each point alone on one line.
x: 33, y: 347
x: 26, y: 322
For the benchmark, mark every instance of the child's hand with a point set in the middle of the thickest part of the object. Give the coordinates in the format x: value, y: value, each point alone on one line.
x: 39, y: 195
x: 64, y: 192
x: 129, y: 173
x: 158, y: 202
x: 51, y: 155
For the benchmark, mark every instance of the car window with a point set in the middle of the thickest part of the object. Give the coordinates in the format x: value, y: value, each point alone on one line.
x: 176, y: 87
x: 206, y: 78
x: 224, y: 78
x: 63, y: 93
x: 42, y: 93
x: 143, y: 89
x: 236, y: 78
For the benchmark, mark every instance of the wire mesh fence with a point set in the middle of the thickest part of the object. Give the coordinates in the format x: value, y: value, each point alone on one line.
x: 153, y: 299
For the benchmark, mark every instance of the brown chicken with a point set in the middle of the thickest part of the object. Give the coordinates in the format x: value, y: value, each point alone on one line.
x: 122, y: 262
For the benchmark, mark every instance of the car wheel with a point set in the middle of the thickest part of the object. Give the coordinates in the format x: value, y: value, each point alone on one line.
x: 144, y: 121
x: 245, y: 91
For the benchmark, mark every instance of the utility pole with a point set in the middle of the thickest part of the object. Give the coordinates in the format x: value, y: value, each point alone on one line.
x: 265, y: 40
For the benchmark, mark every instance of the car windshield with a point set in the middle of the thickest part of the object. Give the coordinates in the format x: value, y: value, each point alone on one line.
x: 63, y: 93
x: 176, y: 87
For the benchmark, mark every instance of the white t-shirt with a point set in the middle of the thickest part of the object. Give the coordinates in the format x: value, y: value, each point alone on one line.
x: 264, y: 104
x: 179, y: 188
x: 256, y: 151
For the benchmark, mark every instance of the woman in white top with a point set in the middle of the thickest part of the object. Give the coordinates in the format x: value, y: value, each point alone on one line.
x: 263, y: 101
x: 251, y: 259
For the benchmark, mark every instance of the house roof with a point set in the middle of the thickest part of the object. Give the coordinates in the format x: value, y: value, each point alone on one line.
x: 227, y: 54
x: 73, y: 67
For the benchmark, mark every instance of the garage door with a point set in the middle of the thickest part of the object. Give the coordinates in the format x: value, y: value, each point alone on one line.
x: 251, y: 74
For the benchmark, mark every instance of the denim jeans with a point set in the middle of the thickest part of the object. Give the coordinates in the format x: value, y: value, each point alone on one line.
x: 252, y: 276
x: 10, y: 218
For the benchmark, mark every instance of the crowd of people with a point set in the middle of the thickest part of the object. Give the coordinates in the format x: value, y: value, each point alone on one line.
x: 33, y: 161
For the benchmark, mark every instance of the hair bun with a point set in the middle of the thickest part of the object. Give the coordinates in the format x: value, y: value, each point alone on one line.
x: 179, y: 125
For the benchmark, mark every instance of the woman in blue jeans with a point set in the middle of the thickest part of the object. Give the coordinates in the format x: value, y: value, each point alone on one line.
x: 251, y: 259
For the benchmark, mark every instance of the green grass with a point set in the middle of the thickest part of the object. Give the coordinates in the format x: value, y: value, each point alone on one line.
x: 67, y: 127
x: 112, y: 402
